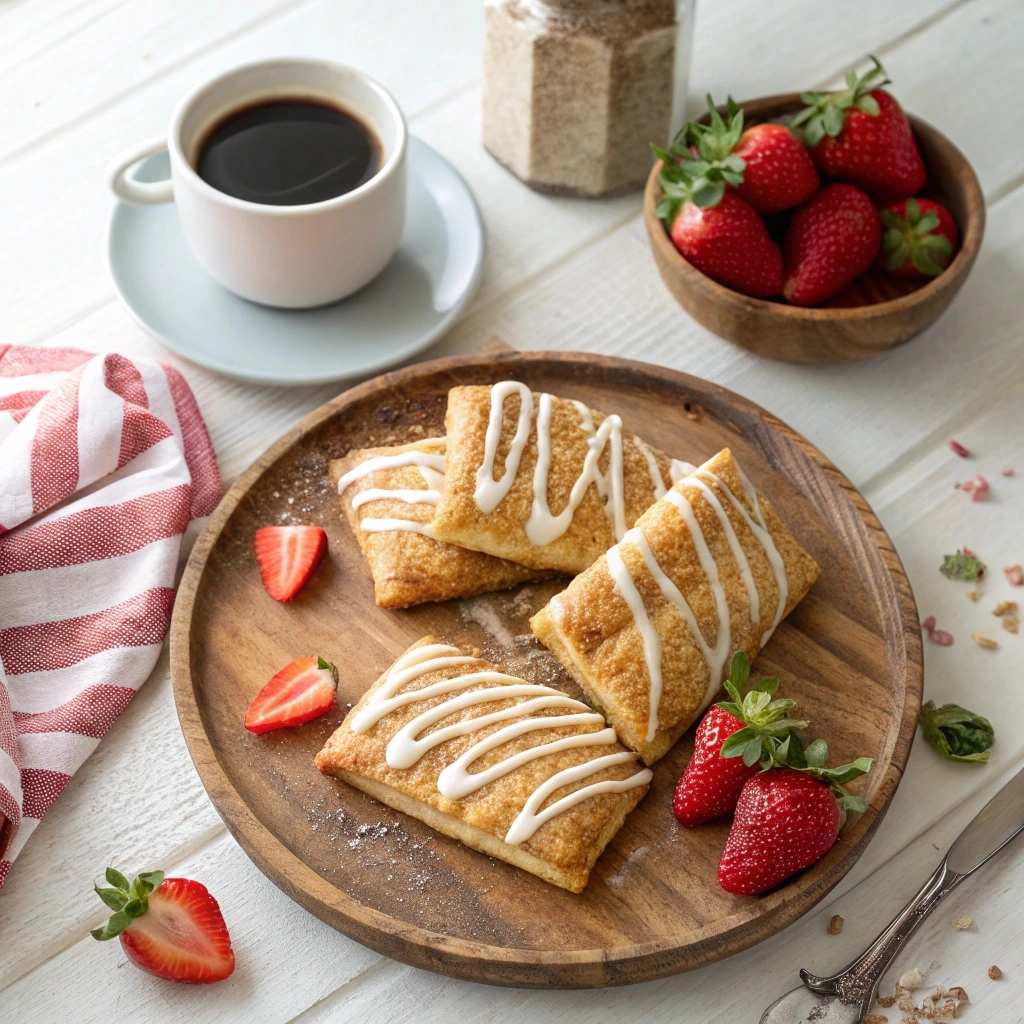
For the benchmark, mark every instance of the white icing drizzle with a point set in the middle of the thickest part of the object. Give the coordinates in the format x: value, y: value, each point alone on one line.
x: 680, y: 469
x: 409, y: 458
x: 764, y: 537
x: 543, y: 527
x: 734, y: 545
x: 428, y: 497
x: 431, y: 468
x: 715, y: 657
x: 652, y: 467
x: 455, y: 781
x: 530, y: 820
x: 404, y: 749
x: 489, y: 491
x: 625, y: 585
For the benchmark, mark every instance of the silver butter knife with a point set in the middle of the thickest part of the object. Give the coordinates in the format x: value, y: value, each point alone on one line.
x: 846, y: 997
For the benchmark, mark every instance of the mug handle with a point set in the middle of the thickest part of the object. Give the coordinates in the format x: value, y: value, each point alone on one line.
x: 129, y: 189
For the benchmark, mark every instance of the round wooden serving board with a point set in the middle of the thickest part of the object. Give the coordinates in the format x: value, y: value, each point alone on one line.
x: 850, y: 654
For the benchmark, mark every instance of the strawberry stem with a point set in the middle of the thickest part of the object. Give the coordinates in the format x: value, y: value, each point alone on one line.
x: 128, y: 900
x: 825, y: 113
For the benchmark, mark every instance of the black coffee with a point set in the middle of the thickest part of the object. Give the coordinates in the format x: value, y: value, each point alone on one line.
x: 288, y: 152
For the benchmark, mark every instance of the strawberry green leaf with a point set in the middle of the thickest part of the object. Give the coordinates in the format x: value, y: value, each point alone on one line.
x: 956, y: 733
x: 662, y: 155
x: 924, y: 263
x: 869, y: 105
x: 707, y: 193
x: 852, y: 803
x: 151, y: 879
x: 845, y: 772
x: 116, y: 879
x: 833, y: 120
x: 113, y: 898
x: 929, y: 222
x: 962, y: 566
x: 769, y: 685
x: 117, y: 924
x: 735, y: 745
x: 816, y: 754
x: 752, y: 752
x: 739, y: 669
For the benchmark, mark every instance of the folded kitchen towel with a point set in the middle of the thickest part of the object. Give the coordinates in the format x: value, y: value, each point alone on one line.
x: 104, y: 461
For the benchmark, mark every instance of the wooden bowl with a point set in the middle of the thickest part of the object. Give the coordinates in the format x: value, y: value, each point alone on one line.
x: 874, y: 314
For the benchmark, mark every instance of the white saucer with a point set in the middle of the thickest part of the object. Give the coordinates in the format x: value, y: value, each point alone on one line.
x: 413, y: 302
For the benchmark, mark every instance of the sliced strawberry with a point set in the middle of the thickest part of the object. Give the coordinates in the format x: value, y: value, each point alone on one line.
x: 287, y: 556
x: 169, y: 927
x: 299, y: 692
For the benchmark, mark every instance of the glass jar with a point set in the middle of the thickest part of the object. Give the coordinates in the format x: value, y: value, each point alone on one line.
x: 576, y: 90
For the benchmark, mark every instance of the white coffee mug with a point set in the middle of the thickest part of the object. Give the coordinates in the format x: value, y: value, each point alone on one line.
x: 292, y: 256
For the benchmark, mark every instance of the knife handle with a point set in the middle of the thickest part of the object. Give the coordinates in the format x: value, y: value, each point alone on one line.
x: 858, y: 983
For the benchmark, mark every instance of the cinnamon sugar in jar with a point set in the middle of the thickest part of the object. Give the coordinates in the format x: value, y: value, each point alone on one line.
x: 576, y: 90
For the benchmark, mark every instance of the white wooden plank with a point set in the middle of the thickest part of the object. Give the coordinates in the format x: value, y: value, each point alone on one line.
x: 285, y: 960
x: 136, y: 45
x: 749, y: 49
x: 739, y: 988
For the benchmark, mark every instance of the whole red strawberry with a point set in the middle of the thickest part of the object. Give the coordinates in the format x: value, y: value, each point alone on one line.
x: 766, y: 164
x: 832, y: 239
x: 785, y: 821
x: 862, y: 136
x: 779, y: 173
x: 731, y: 740
x: 787, y: 818
x: 919, y: 238
x: 730, y: 243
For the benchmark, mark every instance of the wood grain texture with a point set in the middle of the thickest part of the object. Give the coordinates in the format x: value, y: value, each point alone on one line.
x: 869, y: 317
x: 850, y: 654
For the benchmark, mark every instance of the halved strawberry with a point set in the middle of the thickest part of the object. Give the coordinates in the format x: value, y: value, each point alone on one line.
x: 299, y: 692
x: 287, y: 556
x: 170, y: 927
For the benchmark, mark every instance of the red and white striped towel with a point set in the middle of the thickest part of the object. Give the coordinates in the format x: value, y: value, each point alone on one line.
x: 104, y: 461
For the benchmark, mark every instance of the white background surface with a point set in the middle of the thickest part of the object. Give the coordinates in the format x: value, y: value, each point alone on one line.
x: 80, y: 79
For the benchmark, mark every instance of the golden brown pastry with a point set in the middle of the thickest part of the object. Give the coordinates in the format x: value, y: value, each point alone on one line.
x: 543, y: 481
x: 518, y: 771
x: 649, y: 629
x: 388, y: 496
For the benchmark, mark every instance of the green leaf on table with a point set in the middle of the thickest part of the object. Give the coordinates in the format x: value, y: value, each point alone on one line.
x: 956, y: 733
x: 962, y: 566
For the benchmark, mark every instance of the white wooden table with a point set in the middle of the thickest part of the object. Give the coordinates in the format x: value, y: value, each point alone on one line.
x: 80, y: 79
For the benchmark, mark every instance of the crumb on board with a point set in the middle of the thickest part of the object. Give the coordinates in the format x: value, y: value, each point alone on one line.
x: 961, y: 924
x: 983, y: 640
x: 994, y: 973
x: 1005, y: 608
x: 835, y: 924
x: 876, y: 1018
x: 972, y: 595
x: 1011, y: 623
x: 886, y: 1001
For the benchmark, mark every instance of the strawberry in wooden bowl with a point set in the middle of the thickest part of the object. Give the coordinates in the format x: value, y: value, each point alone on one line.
x: 830, y: 176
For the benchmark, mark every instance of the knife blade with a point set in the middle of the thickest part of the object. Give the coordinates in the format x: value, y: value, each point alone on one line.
x: 995, y: 825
